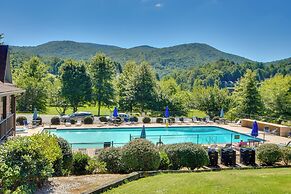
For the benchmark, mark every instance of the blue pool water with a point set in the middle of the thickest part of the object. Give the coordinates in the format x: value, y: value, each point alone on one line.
x: 95, y: 138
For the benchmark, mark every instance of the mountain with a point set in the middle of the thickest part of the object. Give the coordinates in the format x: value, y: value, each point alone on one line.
x: 180, y: 56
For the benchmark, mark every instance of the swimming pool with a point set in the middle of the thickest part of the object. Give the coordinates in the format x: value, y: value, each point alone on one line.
x: 95, y: 137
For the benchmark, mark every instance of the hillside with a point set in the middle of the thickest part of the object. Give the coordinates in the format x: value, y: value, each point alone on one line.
x: 179, y: 56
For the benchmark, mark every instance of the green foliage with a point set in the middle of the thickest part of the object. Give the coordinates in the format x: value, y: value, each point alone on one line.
x: 269, y: 153
x: 88, y: 120
x: 1, y: 37
x: 73, y: 121
x: 20, y: 120
x: 76, y: 84
x: 55, y: 120
x: 165, y: 161
x: 27, y: 162
x: 146, y: 120
x: 187, y: 155
x: 134, y: 119
x: 39, y: 119
x: 286, y: 155
x: 246, y: 97
x: 112, y: 157
x: 102, y: 70
x: 80, y: 163
x: 103, y: 119
x: 140, y: 155
x: 96, y: 167
x: 276, y: 96
x: 159, y: 120
x: 33, y: 78
x: 210, y: 100
x: 66, y: 161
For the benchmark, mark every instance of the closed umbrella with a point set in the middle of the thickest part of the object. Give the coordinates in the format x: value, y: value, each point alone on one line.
x: 143, y: 132
x: 34, y: 116
x: 167, y: 113
x: 221, y: 113
x: 255, y: 129
x: 115, y: 112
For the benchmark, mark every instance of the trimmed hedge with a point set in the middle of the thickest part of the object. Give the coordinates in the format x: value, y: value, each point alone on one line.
x: 269, y: 153
x: 146, y: 120
x: 103, y: 119
x: 80, y: 163
x: 55, y: 120
x: 160, y: 120
x: 88, y: 120
x: 73, y: 121
x: 186, y: 155
x: 39, y: 119
x: 113, y: 159
x: 133, y: 119
x: 140, y: 155
x: 165, y: 161
x: 64, y: 166
x: 20, y: 120
x: 172, y: 119
x: 286, y: 155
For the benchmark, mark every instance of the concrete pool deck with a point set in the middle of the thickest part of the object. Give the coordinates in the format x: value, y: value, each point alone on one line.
x: 268, y: 137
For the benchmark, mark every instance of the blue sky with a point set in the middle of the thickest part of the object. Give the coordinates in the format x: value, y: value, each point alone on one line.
x: 256, y: 29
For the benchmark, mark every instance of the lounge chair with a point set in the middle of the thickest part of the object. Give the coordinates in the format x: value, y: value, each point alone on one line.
x: 275, y: 132
x: 207, y: 120
x: 194, y: 120
x: 79, y: 123
x: 289, y: 134
x: 68, y: 124
x: 267, y: 130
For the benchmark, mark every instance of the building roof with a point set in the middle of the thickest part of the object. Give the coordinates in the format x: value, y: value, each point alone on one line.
x: 9, y: 89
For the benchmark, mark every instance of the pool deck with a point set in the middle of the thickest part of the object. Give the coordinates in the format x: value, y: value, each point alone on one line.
x: 268, y: 137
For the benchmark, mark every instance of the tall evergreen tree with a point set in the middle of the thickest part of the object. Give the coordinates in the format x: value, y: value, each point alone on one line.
x: 102, y: 71
x: 76, y: 84
x: 33, y: 78
x: 1, y: 37
x: 145, y: 87
x: 247, y: 99
x: 125, y: 86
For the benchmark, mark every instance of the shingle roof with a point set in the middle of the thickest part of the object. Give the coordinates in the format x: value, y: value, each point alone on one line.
x: 9, y: 89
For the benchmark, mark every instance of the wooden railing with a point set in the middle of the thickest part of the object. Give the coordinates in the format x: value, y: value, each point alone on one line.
x: 7, y: 127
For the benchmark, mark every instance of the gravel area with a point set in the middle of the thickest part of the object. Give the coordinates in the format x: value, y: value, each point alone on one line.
x: 77, y: 184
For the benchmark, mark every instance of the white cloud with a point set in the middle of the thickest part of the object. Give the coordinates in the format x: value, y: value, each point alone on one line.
x: 158, y: 5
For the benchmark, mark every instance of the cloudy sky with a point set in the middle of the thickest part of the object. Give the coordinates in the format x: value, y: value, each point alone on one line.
x: 256, y: 29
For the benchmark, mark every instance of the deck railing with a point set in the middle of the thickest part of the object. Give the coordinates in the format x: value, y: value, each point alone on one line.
x: 6, y: 127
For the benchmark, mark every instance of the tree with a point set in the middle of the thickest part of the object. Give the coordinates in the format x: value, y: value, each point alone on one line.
x: 126, y: 87
x: 1, y: 37
x: 210, y: 99
x: 276, y: 96
x: 76, y: 84
x: 145, y: 87
x: 32, y: 76
x: 246, y: 97
x: 102, y: 71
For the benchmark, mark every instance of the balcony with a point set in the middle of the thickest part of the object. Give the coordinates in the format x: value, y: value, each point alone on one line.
x: 7, y: 127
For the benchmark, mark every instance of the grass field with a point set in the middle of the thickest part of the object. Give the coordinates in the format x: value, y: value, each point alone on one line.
x: 233, y: 181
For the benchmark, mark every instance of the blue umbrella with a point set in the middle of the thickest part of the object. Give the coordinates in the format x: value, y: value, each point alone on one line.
x: 221, y: 113
x: 34, y: 116
x: 115, y: 112
x: 255, y: 129
x: 167, y: 113
x: 143, y: 132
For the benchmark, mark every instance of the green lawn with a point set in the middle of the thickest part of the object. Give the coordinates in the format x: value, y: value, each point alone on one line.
x: 232, y: 181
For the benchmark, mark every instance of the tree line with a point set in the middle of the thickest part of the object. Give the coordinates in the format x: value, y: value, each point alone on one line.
x: 137, y: 87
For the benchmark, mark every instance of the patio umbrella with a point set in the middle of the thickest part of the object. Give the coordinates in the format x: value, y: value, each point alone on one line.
x: 255, y: 129
x: 34, y: 116
x: 221, y: 113
x: 167, y: 113
x: 143, y: 132
x: 115, y: 112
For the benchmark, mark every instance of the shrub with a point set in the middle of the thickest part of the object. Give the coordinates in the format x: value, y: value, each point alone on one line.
x: 88, y: 120
x: 20, y: 120
x: 27, y: 162
x: 286, y: 155
x: 103, y: 119
x: 55, y: 120
x: 215, y: 119
x: 133, y: 119
x: 113, y: 159
x: 172, y: 119
x: 73, y: 121
x: 159, y: 120
x: 96, y: 167
x: 80, y: 162
x: 165, y: 162
x: 140, y: 154
x: 181, y: 119
x: 186, y: 155
x: 269, y: 153
x: 64, y: 165
x: 39, y: 119
x: 146, y: 120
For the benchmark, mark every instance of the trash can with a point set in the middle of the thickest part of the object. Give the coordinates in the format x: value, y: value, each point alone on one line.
x: 247, y: 156
x: 228, y: 156
x: 213, y: 157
